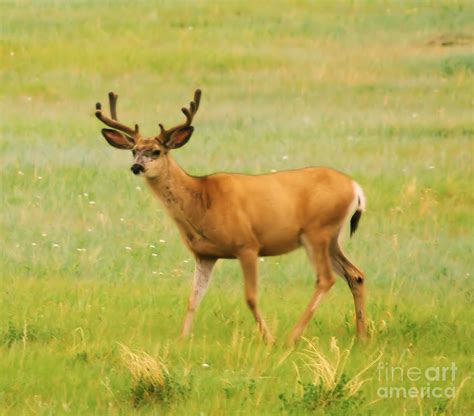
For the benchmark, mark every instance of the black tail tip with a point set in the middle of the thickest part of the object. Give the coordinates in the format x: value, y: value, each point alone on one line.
x: 355, y: 221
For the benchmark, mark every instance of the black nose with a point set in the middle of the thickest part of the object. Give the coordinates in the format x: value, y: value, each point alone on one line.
x: 136, y: 168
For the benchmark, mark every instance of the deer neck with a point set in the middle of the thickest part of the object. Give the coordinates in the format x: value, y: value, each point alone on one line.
x: 179, y: 192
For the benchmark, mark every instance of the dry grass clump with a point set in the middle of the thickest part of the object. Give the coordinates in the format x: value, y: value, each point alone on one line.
x: 151, y: 379
x: 329, y: 387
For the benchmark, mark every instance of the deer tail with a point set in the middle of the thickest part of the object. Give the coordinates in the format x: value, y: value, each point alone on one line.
x: 359, y: 203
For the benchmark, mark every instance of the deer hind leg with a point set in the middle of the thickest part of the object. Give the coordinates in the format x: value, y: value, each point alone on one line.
x: 202, y: 275
x: 317, y: 249
x: 248, y: 261
x: 355, y: 279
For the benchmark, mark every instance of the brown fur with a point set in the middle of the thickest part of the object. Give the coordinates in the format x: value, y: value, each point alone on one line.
x: 242, y: 217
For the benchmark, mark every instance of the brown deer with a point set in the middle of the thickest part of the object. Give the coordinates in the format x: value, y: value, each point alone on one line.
x: 236, y: 216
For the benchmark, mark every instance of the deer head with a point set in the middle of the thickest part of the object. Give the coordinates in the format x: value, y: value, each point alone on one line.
x: 150, y: 153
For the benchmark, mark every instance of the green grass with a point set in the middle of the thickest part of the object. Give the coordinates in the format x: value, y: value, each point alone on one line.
x: 365, y: 87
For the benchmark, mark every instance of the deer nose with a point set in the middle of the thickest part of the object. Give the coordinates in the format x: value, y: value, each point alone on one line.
x: 136, y: 168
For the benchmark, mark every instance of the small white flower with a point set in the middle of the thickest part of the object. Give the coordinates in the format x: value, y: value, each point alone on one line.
x: 285, y: 157
x: 20, y: 173
x: 186, y: 261
x: 17, y: 245
x: 55, y: 245
x: 205, y: 365
x: 91, y: 202
x: 85, y: 194
x: 153, y: 272
x: 122, y: 219
x: 33, y: 244
x: 431, y: 167
x: 39, y: 177
x: 138, y: 188
x: 154, y: 254
x: 44, y: 235
x: 273, y: 170
x: 162, y: 241
x: 89, y: 230
x: 81, y: 249
x: 127, y: 248
x: 262, y: 260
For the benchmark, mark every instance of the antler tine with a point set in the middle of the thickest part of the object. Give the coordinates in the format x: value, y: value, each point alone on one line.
x: 197, y: 97
x: 113, y: 122
x: 113, y: 104
x: 189, y: 116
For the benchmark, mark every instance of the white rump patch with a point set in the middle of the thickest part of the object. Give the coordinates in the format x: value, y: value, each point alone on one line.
x: 359, y: 200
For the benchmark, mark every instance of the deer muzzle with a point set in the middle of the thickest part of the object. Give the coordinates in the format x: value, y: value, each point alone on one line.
x: 137, y: 168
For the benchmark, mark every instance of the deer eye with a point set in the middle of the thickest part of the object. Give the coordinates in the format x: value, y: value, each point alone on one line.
x: 156, y: 153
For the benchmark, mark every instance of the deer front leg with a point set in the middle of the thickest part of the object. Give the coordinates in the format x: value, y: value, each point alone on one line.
x: 248, y: 261
x: 202, y: 275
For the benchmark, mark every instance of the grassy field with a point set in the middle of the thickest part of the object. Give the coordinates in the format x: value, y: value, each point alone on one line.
x: 94, y: 278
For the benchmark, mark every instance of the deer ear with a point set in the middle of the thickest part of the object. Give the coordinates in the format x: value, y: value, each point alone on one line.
x: 179, y: 137
x: 118, y: 139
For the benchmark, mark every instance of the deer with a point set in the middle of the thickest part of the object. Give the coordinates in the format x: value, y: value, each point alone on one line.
x: 245, y: 217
